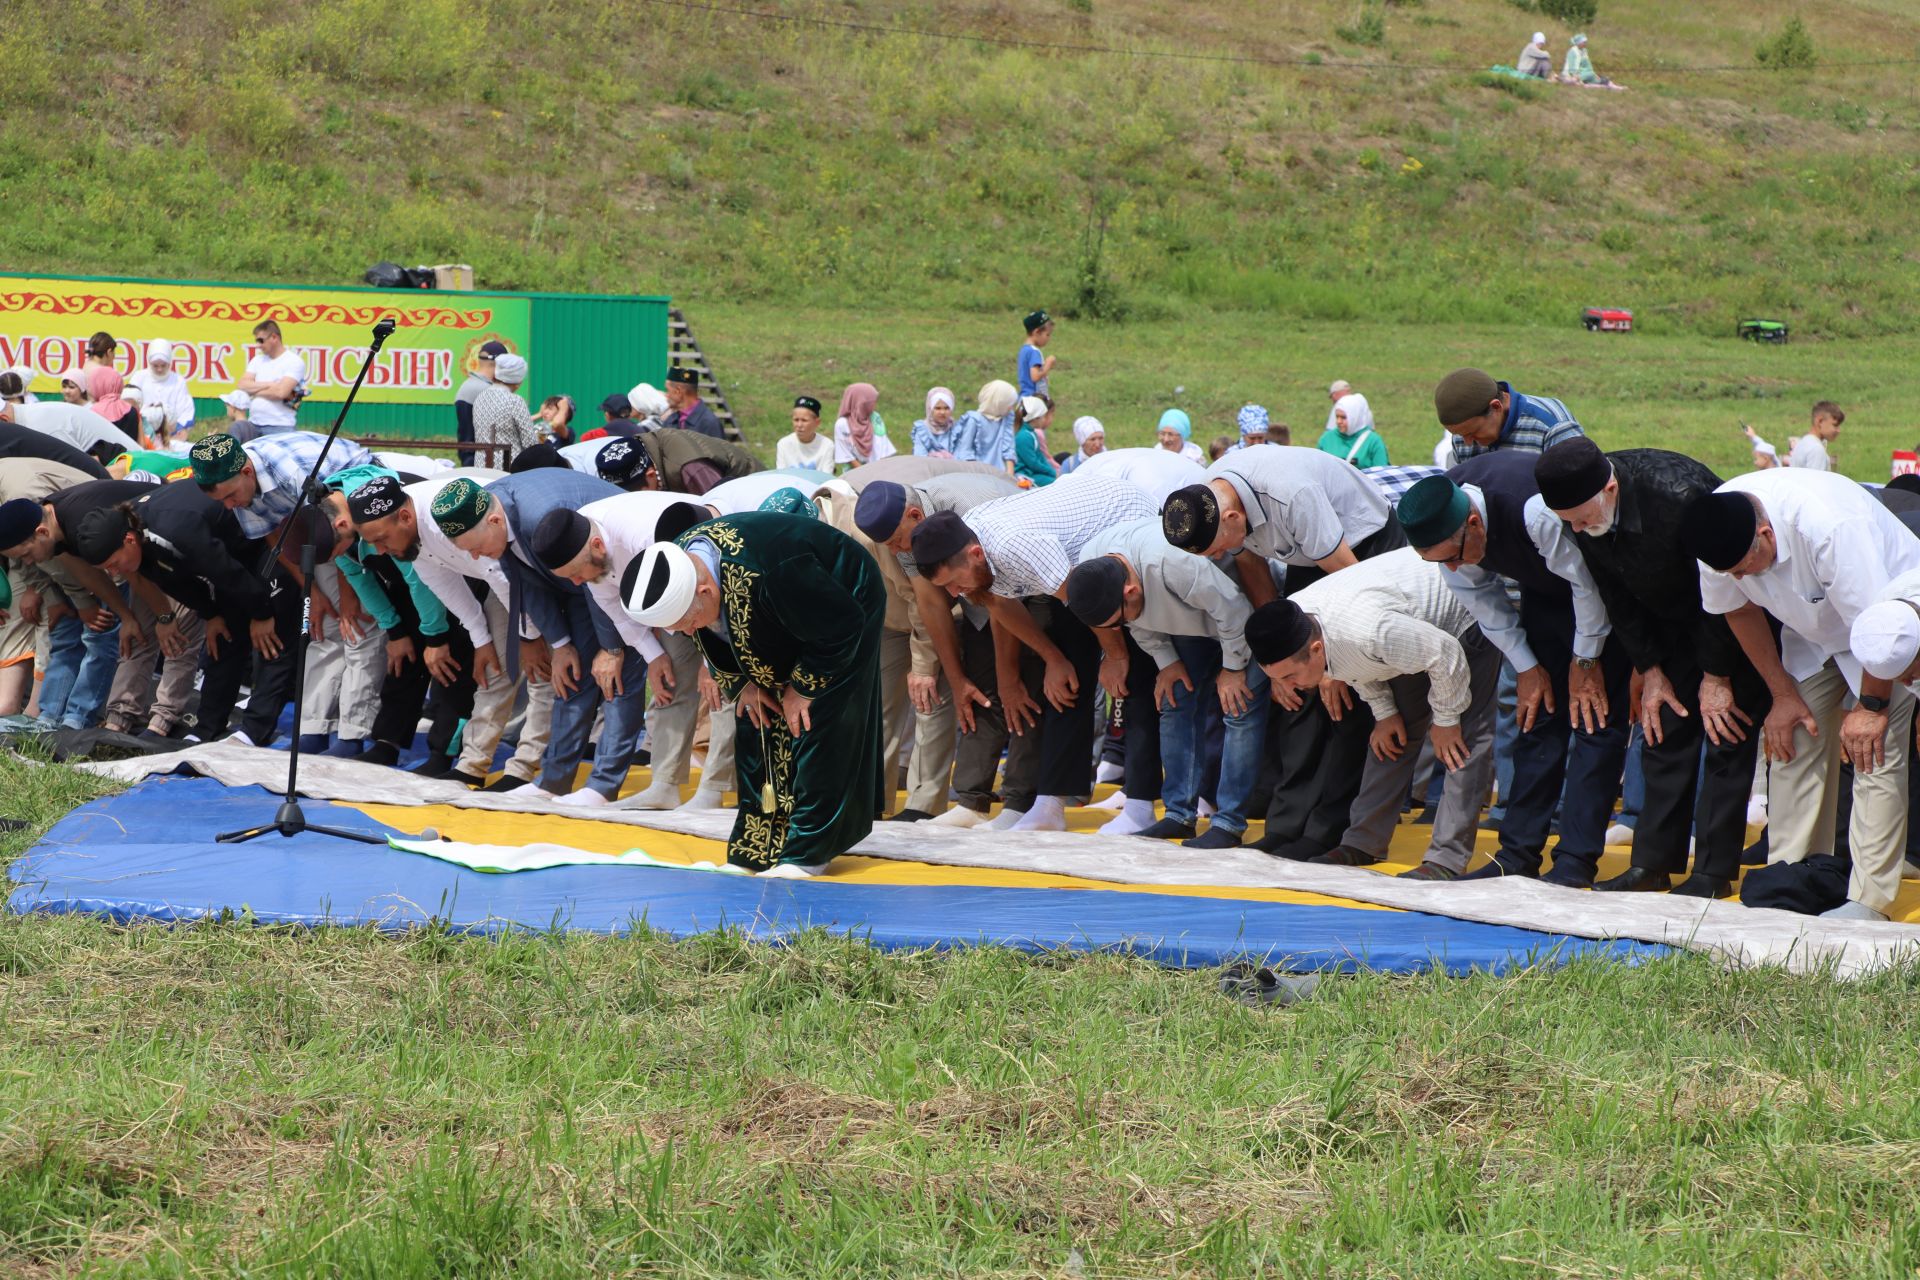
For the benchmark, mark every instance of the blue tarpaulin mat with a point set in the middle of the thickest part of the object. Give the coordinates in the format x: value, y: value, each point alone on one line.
x: 148, y: 854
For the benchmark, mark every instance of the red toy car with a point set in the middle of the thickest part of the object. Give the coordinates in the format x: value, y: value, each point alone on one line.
x: 1607, y: 320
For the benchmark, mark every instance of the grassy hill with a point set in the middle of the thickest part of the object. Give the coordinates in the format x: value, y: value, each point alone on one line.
x: 646, y: 146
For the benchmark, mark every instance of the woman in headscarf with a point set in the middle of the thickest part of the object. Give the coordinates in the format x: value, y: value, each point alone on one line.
x: 73, y: 385
x: 649, y: 405
x: 1535, y: 61
x: 160, y: 383
x: 1352, y: 435
x: 985, y: 434
x: 860, y: 434
x: 1176, y: 436
x: 1031, y: 465
x: 105, y: 385
x: 1578, y: 68
x: 935, y: 436
x: 1092, y: 439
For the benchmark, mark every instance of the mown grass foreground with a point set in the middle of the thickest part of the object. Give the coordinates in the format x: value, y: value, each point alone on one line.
x: 230, y: 1100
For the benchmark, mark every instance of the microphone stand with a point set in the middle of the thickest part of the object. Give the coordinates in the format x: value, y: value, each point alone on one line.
x: 289, y: 819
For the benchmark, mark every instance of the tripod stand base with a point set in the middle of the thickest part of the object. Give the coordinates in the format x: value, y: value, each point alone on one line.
x: 290, y: 820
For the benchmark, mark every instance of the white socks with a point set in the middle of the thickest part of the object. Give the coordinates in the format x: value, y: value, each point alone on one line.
x: 659, y: 795
x: 704, y: 799
x: 1851, y: 910
x: 1005, y: 821
x: 534, y: 791
x: 584, y: 798
x: 1049, y: 813
x: 792, y: 871
x: 1109, y: 772
x: 959, y: 816
x: 1136, y: 815
x: 240, y: 737
x: 1113, y: 801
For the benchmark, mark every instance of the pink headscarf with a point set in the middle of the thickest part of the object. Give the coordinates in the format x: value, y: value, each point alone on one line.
x: 856, y: 406
x: 105, y: 385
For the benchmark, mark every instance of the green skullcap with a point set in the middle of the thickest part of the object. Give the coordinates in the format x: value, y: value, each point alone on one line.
x: 216, y: 459
x: 1433, y: 511
x: 461, y: 506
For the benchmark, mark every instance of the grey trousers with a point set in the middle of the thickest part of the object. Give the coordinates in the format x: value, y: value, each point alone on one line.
x: 1384, y: 784
x: 493, y: 705
x: 343, y: 677
x: 670, y: 728
x: 977, y: 755
x: 1803, y: 807
x: 931, y: 767
x: 135, y: 701
x: 896, y: 660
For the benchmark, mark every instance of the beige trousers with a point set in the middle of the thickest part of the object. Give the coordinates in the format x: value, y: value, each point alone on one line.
x: 1802, y: 807
x: 135, y: 702
x: 493, y: 706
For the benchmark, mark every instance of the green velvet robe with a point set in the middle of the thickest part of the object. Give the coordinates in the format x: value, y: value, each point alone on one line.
x: 802, y: 604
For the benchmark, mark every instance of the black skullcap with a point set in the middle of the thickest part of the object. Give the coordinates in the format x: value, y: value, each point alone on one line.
x: 560, y: 536
x: 623, y: 461
x: 494, y: 350
x: 1572, y: 472
x: 617, y: 405
x: 1717, y: 529
x: 878, y: 511
x: 938, y: 539
x: 1096, y: 590
x: 535, y: 457
x: 1278, y: 630
x: 19, y: 517
x: 377, y: 499
x: 1191, y: 517
x: 679, y: 518
x: 1906, y: 483
x: 807, y: 402
x: 99, y: 534
x: 684, y: 376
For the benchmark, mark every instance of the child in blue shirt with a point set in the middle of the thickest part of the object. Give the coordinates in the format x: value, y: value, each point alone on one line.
x: 1034, y: 365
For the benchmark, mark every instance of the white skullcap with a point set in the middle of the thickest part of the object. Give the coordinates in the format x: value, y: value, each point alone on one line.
x: 1033, y: 408
x: 1886, y: 639
x: 1539, y: 37
x: 238, y: 399
x: 662, y: 586
x: 647, y: 400
x: 510, y: 369
x: 160, y: 349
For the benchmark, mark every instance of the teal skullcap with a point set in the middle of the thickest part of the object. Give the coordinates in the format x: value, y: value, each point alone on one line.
x: 1433, y: 511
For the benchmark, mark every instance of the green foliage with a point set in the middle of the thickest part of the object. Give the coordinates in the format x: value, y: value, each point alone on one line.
x: 1369, y: 27
x: 1575, y: 13
x: 1524, y: 90
x: 1790, y: 49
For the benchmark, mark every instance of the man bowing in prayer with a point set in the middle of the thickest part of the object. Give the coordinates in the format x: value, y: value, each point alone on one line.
x: 788, y: 613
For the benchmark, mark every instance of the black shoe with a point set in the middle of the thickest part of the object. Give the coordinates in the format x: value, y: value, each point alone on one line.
x: 463, y: 778
x: 381, y: 753
x: 1429, y: 871
x: 910, y: 815
x: 434, y: 766
x: 1342, y: 856
x: 1637, y: 880
x: 1498, y: 869
x: 1569, y: 873
x: 1755, y: 854
x: 1702, y: 885
x: 1168, y: 829
x: 149, y: 735
x: 1215, y: 837
x: 1424, y: 818
x: 506, y: 783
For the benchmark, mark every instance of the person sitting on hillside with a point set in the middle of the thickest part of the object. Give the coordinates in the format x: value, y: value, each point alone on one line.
x: 1352, y: 436
x: 935, y: 436
x: 1765, y: 456
x: 1253, y: 425
x: 1091, y: 436
x: 1175, y: 435
x: 1219, y: 447
x: 860, y: 433
x: 1031, y: 465
x: 1535, y: 61
x: 1578, y: 68
x: 985, y: 434
x: 804, y: 446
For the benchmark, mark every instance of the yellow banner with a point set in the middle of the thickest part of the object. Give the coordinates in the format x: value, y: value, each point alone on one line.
x: 45, y: 325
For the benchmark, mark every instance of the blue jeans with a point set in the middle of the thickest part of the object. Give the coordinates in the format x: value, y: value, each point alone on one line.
x: 1506, y: 730
x: 79, y: 673
x: 1633, y: 781
x: 626, y: 716
x: 1182, y: 735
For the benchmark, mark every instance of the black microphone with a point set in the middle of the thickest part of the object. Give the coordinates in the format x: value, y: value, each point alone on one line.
x: 382, y: 331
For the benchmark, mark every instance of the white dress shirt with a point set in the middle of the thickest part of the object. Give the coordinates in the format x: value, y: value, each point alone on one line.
x: 1181, y: 594
x: 1033, y: 539
x: 1485, y: 593
x: 1393, y: 616
x: 443, y: 567
x: 76, y: 424
x: 1838, y: 550
x: 626, y: 523
x: 1158, y: 472
x: 1301, y: 503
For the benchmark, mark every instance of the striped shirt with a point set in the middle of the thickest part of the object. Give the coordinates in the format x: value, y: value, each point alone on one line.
x: 1394, y: 616
x: 1393, y: 482
x: 1534, y: 423
x: 1032, y: 540
x: 280, y: 463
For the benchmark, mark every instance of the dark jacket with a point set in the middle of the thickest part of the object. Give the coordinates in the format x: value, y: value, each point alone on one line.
x: 1505, y: 480
x: 688, y: 461
x: 192, y: 548
x: 1650, y: 586
x: 700, y: 418
x: 526, y: 499
x: 24, y: 442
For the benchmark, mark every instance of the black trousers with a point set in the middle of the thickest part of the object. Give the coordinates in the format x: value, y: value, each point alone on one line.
x: 1140, y: 724
x: 976, y: 757
x: 1066, y: 737
x: 1680, y: 797
x: 271, y: 679
x: 404, y: 696
x: 1314, y: 764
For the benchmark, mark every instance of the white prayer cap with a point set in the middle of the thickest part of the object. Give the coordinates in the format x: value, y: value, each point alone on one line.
x: 159, y: 349
x: 1886, y: 639
x: 1086, y: 428
x: 647, y: 401
x: 658, y: 587
x: 1033, y: 408
x: 510, y: 369
x: 1339, y: 387
x: 238, y: 399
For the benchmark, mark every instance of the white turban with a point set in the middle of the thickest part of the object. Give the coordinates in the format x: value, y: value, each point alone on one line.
x: 1086, y: 428
x: 1886, y: 639
x: 647, y: 401
x: 662, y: 590
x: 510, y: 369
x: 160, y: 349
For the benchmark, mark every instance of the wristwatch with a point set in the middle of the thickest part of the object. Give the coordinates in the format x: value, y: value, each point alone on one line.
x: 1870, y: 703
x: 1585, y: 664
x: 164, y: 619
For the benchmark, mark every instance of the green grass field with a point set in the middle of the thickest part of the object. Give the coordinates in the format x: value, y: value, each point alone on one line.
x: 835, y: 205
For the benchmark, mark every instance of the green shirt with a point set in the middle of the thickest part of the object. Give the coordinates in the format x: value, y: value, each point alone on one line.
x: 1031, y: 461
x: 1372, y: 451
x: 433, y: 614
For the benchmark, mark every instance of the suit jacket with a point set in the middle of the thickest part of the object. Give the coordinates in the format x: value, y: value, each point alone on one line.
x: 526, y: 499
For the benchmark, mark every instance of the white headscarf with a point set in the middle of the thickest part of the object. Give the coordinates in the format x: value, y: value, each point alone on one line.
x: 997, y: 399
x: 1085, y: 429
x: 1359, y: 413
x: 647, y: 402
x: 940, y: 395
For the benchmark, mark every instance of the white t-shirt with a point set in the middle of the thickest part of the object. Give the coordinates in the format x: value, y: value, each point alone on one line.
x: 275, y: 415
x: 791, y: 453
x: 843, y: 443
x: 76, y: 424
x: 1810, y: 454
